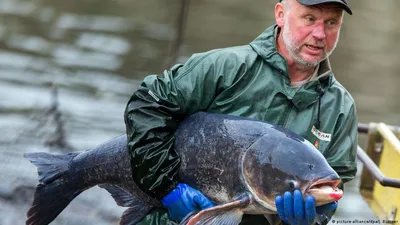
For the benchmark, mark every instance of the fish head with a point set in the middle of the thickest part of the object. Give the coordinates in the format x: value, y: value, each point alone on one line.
x: 282, y: 161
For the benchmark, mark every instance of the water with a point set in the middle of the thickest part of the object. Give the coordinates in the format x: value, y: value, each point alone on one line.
x: 97, y: 53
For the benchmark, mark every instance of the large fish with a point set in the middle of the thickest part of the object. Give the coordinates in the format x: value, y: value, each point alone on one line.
x: 240, y: 164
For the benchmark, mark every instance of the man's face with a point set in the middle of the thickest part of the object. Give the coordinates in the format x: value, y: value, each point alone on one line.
x: 310, y: 34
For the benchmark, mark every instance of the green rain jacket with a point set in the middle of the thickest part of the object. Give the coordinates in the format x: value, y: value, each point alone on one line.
x: 250, y: 81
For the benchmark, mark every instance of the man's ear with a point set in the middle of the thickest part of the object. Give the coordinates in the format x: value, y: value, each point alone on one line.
x: 279, y: 14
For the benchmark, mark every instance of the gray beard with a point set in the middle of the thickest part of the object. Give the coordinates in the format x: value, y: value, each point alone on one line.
x: 295, y: 50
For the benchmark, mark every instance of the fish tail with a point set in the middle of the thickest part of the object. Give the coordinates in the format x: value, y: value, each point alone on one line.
x: 54, y: 192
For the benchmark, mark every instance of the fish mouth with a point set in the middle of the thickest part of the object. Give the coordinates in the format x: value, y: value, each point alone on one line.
x: 325, y: 191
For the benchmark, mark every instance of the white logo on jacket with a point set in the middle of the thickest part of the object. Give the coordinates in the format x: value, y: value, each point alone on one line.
x: 153, y: 95
x: 321, y: 135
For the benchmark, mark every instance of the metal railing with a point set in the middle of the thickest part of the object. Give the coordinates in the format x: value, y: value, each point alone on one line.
x: 370, y: 165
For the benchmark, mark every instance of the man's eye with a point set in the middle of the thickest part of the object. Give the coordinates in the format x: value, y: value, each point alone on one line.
x: 310, y: 19
x: 332, y: 23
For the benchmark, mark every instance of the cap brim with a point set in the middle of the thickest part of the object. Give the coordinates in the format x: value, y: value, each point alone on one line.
x: 317, y: 2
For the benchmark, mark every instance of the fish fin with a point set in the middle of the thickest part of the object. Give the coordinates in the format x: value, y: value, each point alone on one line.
x: 53, y: 193
x: 121, y: 196
x: 226, y: 214
x: 50, y: 167
x: 186, y: 219
x: 273, y: 219
x: 134, y: 214
x: 137, y: 209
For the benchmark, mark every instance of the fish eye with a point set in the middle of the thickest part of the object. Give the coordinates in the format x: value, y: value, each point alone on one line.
x: 292, y: 184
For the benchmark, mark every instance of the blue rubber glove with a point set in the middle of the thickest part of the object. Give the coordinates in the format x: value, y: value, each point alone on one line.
x: 183, y: 200
x: 294, y: 210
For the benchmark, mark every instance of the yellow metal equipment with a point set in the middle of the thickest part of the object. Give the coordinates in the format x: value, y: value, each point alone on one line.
x: 380, y: 180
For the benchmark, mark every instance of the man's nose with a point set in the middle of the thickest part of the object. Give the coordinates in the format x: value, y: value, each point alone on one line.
x: 319, y: 30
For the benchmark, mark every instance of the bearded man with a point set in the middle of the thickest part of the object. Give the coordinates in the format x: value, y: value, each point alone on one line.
x: 282, y: 77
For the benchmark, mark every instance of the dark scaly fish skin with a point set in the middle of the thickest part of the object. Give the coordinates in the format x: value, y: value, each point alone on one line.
x: 223, y: 156
x: 238, y: 155
x: 219, y: 145
x: 108, y: 163
x: 63, y: 177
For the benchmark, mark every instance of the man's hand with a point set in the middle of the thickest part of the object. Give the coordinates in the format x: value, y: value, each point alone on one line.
x: 294, y: 210
x: 183, y: 200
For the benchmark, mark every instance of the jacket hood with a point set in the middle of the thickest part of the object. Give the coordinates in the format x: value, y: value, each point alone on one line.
x: 265, y: 43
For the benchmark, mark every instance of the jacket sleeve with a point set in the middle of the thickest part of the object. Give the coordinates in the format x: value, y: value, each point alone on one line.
x: 154, y: 111
x: 342, y: 151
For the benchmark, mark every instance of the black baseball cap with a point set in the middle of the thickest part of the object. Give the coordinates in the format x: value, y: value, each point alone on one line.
x: 344, y: 3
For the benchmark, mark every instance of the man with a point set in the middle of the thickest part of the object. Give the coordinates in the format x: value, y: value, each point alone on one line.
x: 283, y: 77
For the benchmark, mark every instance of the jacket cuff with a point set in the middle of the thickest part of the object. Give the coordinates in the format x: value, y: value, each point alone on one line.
x: 160, y: 192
